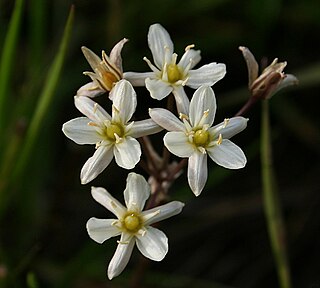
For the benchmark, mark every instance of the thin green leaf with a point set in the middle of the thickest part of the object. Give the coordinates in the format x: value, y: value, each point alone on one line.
x: 271, y: 203
x: 7, y: 59
x: 45, y: 99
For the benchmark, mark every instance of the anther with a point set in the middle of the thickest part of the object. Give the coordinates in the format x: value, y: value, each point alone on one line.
x: 189, y: 47
x: 123, y: 242
x: 95, y: 107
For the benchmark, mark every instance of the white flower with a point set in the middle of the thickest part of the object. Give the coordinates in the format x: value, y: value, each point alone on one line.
x: 113, y: 135
x: 194, y: 137
x: 168, y: 75
x: 107, y: 71
x: 132, y: 223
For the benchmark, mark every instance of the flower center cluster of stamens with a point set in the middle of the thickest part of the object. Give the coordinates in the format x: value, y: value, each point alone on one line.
x: 173, y: 73
x: 108, y: 80
x: 112, y: 129
x: 132, y: 222
x: 201, y: 138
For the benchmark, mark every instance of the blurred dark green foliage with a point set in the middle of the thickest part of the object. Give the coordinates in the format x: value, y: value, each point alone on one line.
x: 220, y: 239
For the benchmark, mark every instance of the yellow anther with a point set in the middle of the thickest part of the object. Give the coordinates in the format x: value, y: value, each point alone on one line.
x: 226, y: 122
x: 123, y: 242
x: 219, y: 141
x: 189, y: 47
x: 95, y: 107
x: 183, y: 116
x: 93, y: 124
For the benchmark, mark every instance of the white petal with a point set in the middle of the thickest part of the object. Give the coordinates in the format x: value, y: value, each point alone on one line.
x: 143, y: 128
x: 182, y: 100
x: 127, y: 153
x: 206, y: 75
x: 136, y: 193
x: 166, y: 119
x: 203, y: 100
x: 121, y: 257
x: 158, y: 89
x: 101, y: 230
x: 190, y: 55
x: 115, y: 54
x: 162, y: 212
x: 158, y: 39
x: 178, y: 144
x: 197, y: 172
x: 92, y: 58
x: 80, y: 132
x: 91, y: 109
x: 91, y: 90
x: 227, y: 155
x: 96, y: 164
x: 153, y: 244
x: 124, y: 99
x: 137, y: 78
x: 103, y: 197
x: 233, y: 127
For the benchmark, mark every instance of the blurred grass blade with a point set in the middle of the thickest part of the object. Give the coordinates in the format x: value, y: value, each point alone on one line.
x: 45, y: 100
x: 271, y: 203
x: 7, y: 59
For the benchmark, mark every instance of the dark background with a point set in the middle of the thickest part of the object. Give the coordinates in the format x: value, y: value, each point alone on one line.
x: 220, y: 239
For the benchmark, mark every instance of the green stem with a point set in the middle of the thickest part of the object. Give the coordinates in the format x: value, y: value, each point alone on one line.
x: 45, y: 99
x: 272, y: 206
x: 7, y: 59
x: 34, y: 129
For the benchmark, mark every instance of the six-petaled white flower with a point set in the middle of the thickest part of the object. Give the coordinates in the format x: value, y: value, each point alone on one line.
x: 107, y: 71
x: 113, y: 135
x: 194, y: 137
x: 132, y: 223
x: 168, y: 75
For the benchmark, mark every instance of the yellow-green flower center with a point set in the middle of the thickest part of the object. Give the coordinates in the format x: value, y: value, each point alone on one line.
x: 112, y: 129
x: 132, y: 222
x: 201, y: 138
x: 174, y: 73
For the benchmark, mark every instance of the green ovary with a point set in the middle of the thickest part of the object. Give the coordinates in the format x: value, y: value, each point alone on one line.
x: 201, y: 138
x: 174, y: 73
x: 114, y: 129
x: 132, y: 222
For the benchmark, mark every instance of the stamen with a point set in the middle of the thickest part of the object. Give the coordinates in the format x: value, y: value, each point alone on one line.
x: 226, y: 122
x: 111, y: 67
x: 183, y: 116
x: 202, y: 150
x: 95, y: 107
x: 151, y: 215
x: 174, y: 58
x: 152, y: 67
x: 114, y: 223
x: 118, y: 139
x: 219, y: 141
x: 114, y: 205
x: 142, y: 232
x: 189, y: 47
x: 93, y: 124
x: 123, y: 242
x: 184, y: 82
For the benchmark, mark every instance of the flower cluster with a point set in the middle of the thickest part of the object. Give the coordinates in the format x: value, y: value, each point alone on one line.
x: 190, y: 134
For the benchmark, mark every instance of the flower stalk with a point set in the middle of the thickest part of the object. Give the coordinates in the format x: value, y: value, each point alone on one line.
x: 272, y: 207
